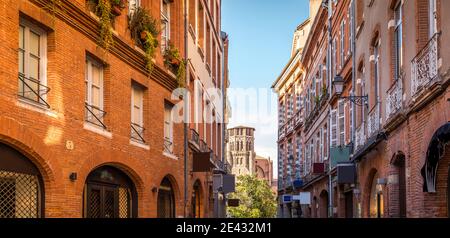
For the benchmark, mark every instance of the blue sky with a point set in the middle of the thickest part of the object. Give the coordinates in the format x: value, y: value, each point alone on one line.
x: 260, y: 33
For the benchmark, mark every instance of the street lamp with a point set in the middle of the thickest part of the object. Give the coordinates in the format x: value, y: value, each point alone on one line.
x: 338, y: 84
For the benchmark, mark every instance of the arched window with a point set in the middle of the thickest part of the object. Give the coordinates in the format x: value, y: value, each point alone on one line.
x: 21, y: 186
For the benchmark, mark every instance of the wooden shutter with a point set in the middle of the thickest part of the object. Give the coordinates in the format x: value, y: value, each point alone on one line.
x: 333, y: 123
x: 341, y: 122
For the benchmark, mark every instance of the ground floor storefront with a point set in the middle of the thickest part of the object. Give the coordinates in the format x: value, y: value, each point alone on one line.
x: 36, y: 183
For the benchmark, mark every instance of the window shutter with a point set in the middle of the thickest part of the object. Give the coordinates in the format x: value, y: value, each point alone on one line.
x: 333, y: 136
x: 341, y: 123
x: 321, y: 145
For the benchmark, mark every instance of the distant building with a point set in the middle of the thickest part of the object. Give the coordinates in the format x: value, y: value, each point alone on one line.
x: 241, y: 150
x: 264, y: 169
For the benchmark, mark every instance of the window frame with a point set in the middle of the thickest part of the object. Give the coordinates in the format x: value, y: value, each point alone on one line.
x: 89, y: 83
x: 165, y: 38
x: 398, y: 40
x: 43, y: 36
x: 169, y: 124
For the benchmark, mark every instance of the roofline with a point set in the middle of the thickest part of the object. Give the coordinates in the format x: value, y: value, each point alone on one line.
x: 310, y: 35
x: 283, y: 72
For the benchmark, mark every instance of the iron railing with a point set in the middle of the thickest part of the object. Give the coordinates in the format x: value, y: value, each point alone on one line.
x: 204, y: 146
x: 374, y: 121
x: 299, y: 118
x: 195, y: 137
x: 394, y: 99
x: 425, y: 67
x: 33, y: 90
x: 282, y: 132
x: 95, y: 115
x: 360, y: 135
x: 168, y: 146
x: 137, y: 132
x: 290, y: 126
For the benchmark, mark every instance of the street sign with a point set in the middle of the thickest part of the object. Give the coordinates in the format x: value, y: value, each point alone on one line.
x: 303, y: 198
x: 287, y: 198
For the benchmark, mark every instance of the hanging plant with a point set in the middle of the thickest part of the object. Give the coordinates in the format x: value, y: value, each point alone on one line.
x: 144, y: 31
x: 181, y: 74
x: 106, y: 10
x: 117, y: 6
x: 174, y: 62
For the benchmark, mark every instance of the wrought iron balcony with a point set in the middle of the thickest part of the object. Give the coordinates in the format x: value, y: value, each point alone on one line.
x: 425, y: 67
x: 374, y: 121
x: 137, y: 133
x: 194, y: 137
x: 360, y: 135
x: 33, y: 90
x: 168, y: 146
x: 204, y: 146
x: 290, y: 126
x: 95, y: 115
x: 299, y: 118
x: 394, y: 99
x: 282, y: 132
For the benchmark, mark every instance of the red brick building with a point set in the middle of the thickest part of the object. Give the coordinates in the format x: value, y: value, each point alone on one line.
x: 383, y: 111
x: 89, y: 132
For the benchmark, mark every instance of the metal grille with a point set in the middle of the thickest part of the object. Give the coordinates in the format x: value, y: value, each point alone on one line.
x: 123, y: 203
x: 94, y: 205
x: 18, y: 195
x: 109, y: 204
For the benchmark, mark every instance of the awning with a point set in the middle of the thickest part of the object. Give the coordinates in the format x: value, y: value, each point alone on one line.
x: 435, y: 152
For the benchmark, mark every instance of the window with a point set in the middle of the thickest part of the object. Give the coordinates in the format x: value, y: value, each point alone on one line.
x: 168, y: 128
x: 137, y: 112
x: 94, y: 92
x: 341, y: 122
x: 32, y: 63
x: 192, y: 18
x: 398, y: 41
x: 208, y: 45
x: 133, y: 5
x: 376, y: 68
x: 165, y: 24
x: 433, y: 17
x: 342, y: 45
x: 201, y: 26
x: 333, y: 128
x: 334, y: 59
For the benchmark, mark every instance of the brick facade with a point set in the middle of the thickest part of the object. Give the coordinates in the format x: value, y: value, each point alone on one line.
x: 58, y: 141
x: 407, y: 103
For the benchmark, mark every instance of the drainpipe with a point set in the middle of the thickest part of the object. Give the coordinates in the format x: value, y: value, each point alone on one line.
x: 186, y: 109
x: 354, y: 70
x: 330, y: 81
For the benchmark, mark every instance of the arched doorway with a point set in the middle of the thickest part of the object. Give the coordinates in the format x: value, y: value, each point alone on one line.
x: 21, y: 186
x: 376, y: 203
x: 197, y: 200
x: 166, y: 199
x: 323, y: 206
x: 109, y: 193
x: 315, y: 208
x: 400, y: 170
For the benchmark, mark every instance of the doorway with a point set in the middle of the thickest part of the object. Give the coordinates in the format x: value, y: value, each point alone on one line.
x: 109, y: 194
x: 349, y: 205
